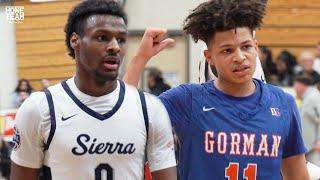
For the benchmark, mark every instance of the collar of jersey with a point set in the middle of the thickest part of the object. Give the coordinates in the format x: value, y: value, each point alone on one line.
x: 262, y: 105
x: 92, y: 112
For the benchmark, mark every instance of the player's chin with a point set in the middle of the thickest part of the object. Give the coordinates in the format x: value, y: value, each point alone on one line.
x: 108, y: 76
x: 242, y: 79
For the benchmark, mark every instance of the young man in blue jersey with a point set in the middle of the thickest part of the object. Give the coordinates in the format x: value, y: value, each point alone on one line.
x: 235, y: 127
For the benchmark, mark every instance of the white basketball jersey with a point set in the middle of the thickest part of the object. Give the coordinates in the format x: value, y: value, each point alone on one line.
x: 88, y: 145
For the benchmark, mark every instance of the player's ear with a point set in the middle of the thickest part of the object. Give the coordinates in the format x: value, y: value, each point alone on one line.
x: 74, y: 40
x: 208, y: 55
x: 256, y: 46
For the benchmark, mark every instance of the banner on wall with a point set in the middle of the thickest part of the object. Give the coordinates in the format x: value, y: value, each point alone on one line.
x: 7, y: 122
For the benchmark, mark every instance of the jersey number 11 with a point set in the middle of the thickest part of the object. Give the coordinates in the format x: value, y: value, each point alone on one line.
x: 249, y: 173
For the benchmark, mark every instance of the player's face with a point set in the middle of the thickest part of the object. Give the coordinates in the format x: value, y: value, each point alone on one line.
x: 299, y: 88
x: 101, y: 49
x: 234, y: 54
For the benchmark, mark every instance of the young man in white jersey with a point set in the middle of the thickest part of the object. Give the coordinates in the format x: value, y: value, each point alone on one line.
x: 93, y: 126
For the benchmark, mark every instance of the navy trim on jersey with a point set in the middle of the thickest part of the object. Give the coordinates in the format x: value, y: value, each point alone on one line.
x: 144, y: 110
x: 52, y: 118
x: 45, y: 173
x: 91, y: 112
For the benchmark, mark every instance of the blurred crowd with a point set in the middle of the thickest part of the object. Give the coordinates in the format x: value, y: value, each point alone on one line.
x: 22, y: 91
x: 282, y: 70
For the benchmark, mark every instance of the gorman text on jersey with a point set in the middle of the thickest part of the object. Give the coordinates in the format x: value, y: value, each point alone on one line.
x: 241, y: 144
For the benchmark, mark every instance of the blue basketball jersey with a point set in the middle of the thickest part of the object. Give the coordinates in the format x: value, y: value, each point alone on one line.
x: 224, y: 137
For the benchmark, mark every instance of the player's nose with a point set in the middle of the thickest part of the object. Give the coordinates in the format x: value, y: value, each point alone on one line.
x: 239, y: 56
x: 113, y: 46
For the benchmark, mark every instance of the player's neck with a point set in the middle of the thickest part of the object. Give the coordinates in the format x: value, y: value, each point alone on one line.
x: 94, y: 88
x: 236, y: 90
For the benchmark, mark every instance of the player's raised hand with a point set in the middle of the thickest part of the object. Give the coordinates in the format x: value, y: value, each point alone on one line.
x: 153, y: 41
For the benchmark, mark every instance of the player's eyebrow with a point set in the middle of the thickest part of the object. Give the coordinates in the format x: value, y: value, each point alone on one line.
x: 120, y: 32
x: 245, y: 42
x: 225, y: 45
x: 230, y: 45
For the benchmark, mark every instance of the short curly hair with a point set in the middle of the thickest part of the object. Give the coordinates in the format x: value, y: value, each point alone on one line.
x: 222, y: 15
x: 78, y: 16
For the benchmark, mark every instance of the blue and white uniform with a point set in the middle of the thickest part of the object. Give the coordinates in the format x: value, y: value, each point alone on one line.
x: 77, y: 136
x: 226, y: 137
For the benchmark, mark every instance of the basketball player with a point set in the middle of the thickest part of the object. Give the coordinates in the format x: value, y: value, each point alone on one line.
x: 93, y: 126
x: 235, y: 127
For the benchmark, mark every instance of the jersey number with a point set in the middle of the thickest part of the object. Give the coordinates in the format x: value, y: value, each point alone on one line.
x: 104, y: 171
x: 249, y: 173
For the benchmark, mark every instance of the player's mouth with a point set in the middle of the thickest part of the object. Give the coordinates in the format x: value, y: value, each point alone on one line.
x: 241, y: 70
x: 111, y: 63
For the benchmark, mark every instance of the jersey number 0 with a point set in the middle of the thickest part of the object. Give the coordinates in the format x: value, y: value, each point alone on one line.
x: 104, y: 170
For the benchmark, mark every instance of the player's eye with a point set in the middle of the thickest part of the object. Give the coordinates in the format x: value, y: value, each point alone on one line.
x: 247, y: 47
x: 102, y: 38
x: 121, y: 40
x: 227, y: 51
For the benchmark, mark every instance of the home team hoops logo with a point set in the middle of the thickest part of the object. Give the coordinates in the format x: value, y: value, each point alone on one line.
x: 16, y: 139
x: 15, y: 14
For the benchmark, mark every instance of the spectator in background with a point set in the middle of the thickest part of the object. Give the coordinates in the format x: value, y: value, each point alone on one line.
x: 287, y: 68
x: 306, y: 61
x: 45, y: 83
x: 269, y: 68
x: 310, y: 115
x: 316, y: 65
x: 4, y: 159
x: 21, y: 93
x: 156, y: 82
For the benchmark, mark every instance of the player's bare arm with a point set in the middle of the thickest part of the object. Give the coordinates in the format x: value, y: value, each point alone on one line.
x: 165, y: 174
x: 295, y: 168
x: 153, y: 41
x: 20, y: 172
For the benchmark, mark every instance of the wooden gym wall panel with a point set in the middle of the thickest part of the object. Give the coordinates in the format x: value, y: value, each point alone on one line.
x: 293, y: 25
x: 56, y: 60
x: 40, y: 35
x: 47, y: 72
x: 42, y: 22
x: 46, y: 8
x: 292, y: 17
x: 290, y: 37
x: 294, y: 3
x: 41, y: 50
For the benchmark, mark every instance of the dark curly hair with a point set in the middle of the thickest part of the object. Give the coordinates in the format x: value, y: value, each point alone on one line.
x: 29, y: 89
x: 78, y: 16
x: 221, y: 15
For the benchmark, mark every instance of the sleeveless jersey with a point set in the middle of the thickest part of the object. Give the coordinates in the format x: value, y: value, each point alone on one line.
x: 76, y: 136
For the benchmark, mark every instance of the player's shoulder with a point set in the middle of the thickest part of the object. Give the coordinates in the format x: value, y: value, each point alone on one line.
x: 35, y: 99
x: 56, y: 88
x: 275, y: 92
x: 129, y: 87
x: 150, y: 98
x: 185, y: 89
x: 153, y: 103
x: 38, y: 102
x: 34, y: 106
